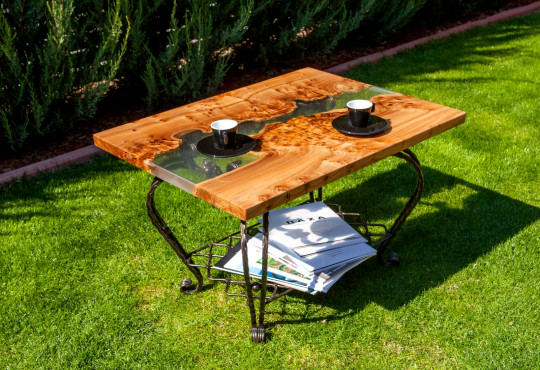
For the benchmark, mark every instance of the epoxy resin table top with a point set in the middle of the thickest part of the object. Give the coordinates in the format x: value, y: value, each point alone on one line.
x: 297, y: 148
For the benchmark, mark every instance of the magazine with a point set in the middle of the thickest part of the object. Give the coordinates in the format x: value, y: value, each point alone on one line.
x: 314, y: 263
x: 309, y: 228
x: 232, y: 262
x: 309, y: 249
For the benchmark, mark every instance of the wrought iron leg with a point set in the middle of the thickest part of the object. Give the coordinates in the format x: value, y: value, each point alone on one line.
x: 408, y: 156
x: 312, y: 196
x: 257, y: 328
x: 167, y: 234
x: 263, y: 278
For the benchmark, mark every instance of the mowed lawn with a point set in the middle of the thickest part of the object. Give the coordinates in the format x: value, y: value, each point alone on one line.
x: 86, y: 281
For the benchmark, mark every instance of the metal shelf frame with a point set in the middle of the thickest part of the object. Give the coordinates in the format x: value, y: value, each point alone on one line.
x: 269, y: 291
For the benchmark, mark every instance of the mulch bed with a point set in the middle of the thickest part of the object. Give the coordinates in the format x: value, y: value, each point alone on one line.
x: 114, y: 112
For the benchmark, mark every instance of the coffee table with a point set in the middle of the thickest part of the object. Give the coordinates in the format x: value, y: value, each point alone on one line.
x: 297, y: 152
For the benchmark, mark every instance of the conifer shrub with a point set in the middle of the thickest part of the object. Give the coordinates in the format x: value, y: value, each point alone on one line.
x: 193, y: 58
x: 285, y: 32
x: 282, y: 31
x: 380, y: 18
x: 57, y: 60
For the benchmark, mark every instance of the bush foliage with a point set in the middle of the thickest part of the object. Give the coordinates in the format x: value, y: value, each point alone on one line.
x: 59, y: 58
x: 196, y: 54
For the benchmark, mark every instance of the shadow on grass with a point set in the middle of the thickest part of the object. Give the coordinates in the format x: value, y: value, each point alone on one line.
x: 41, y: 186
x: 433, y: 246
x: 28, y: 199
x: 460, y: 52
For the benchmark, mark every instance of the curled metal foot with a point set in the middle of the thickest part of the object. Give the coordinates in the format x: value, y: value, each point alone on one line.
x: 258, y: 334
x: 393, y: 260
x: 187, y: 286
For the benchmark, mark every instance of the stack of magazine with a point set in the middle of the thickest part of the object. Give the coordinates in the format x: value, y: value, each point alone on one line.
x: 310, y: 248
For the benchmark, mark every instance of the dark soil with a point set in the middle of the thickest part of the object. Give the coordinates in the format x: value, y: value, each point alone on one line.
x: 118, y: 109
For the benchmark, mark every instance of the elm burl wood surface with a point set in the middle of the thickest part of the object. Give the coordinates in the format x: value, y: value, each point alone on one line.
x: 294, y: 157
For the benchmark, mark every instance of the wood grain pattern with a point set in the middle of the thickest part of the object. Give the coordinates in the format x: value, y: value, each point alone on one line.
x: 296, y: 156
x: 139, y: 141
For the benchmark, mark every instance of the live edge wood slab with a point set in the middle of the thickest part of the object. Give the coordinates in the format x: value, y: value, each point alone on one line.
x: 296, y: 156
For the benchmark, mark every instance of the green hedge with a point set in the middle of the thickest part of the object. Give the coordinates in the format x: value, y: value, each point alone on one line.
x: 59, y: 58
x: 193, y: 58
x: 56, y: 61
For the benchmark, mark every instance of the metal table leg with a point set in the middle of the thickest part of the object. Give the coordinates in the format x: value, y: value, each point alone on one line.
x: 167, y: 234
x: 257, y: 328
x: 408, y: 156
x: 389, y: 233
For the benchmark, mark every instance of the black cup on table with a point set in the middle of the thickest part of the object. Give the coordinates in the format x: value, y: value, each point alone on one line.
x: 359, y: 112
x: 224, y: 133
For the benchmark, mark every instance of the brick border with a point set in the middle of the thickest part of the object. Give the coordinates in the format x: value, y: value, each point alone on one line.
x: 87, y: 153
x: 52, y: 164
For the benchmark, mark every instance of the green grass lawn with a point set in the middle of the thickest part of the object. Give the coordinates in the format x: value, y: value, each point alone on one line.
x: 86, y: 281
